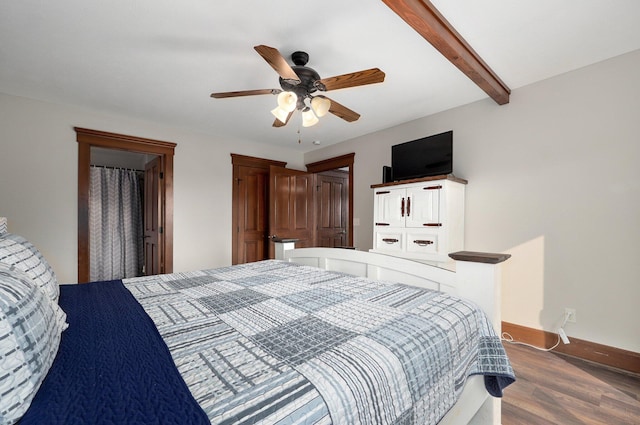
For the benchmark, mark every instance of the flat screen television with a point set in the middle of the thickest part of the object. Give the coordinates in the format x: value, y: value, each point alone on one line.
x: 428, y: 156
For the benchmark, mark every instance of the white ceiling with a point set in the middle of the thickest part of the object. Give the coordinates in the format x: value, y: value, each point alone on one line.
x: 159, y: 60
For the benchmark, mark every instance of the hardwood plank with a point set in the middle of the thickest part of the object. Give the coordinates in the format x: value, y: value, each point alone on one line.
x: 553, y: 388
x: 622, y: 411
x: 515, y: 415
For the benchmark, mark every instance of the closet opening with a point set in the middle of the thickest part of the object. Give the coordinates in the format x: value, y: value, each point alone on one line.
x: 125, y: 161
x: 117, y: 212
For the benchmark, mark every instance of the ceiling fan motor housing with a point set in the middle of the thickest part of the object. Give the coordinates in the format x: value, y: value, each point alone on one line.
x: 309, y: 79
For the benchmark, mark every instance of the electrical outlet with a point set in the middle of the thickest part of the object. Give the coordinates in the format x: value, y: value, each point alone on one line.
x: 570, y: 314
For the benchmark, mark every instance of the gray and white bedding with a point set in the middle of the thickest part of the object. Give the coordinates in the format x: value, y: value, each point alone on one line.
x: 278, y: 343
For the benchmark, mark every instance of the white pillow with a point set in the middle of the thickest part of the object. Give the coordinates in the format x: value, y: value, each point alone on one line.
x: 30, y: 332
x: 19, y: 252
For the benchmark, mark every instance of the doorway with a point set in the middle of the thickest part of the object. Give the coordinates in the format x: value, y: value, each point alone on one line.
x: 251, y: 204
x: 339, y: 166
x: 332, y: 208
x: 116, y: 219
x: 164, y: 151
x: 250, y: 220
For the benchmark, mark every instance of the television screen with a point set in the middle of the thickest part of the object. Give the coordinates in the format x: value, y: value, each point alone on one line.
x: 428, y: 156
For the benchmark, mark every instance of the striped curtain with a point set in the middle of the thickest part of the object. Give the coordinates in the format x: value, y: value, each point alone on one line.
x: 115, y: 224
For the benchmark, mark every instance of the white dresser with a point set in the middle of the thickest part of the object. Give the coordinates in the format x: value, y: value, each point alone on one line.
x: 421, y: 219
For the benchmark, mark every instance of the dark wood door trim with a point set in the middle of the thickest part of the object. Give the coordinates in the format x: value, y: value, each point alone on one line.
x: 252, y: 161
x: 344, y: 161
x: 86, y: 139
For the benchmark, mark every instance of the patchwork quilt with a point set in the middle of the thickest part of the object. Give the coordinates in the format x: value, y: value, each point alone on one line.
x: 278, y: 343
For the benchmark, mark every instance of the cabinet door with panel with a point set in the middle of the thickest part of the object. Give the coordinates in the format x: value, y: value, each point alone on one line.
x: 389, y: 207
x: 423, y: 206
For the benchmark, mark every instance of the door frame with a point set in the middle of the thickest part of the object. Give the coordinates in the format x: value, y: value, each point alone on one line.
x: 346, y: 160
x: 87, y: 139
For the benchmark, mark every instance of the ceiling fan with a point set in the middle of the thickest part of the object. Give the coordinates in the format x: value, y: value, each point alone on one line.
x: 299, y: 82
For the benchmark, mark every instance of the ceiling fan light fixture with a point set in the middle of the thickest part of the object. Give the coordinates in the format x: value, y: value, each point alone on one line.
x: 299, y: 82
x: 287, y: 100
x: 320, y: 105
x: 280, y: 114
x: 308, y: 117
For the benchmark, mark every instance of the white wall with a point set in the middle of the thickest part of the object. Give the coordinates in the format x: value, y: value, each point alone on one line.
x: 554, y: 180
x: 38, y: 181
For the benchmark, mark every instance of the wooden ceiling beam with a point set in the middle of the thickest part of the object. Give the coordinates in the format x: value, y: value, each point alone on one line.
x: 423, y: 17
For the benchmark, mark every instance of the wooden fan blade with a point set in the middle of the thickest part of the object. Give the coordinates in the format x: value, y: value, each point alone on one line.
x: 343, y: 112
x: 244, y: 93
x: 360, y: 78
x: 277, y: 62
x: 278, y: 123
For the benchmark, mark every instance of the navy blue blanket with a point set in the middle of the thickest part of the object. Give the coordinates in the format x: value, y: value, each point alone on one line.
x: 112, y: 367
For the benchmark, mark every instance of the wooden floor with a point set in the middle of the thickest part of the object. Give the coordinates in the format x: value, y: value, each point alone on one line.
x: 560, y: 390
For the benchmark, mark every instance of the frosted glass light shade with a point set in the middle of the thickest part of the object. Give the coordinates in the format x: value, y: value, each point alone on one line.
x: 308, y: 117
x: 320, y: 105
x: 287, y: 100
x: 280, y: 114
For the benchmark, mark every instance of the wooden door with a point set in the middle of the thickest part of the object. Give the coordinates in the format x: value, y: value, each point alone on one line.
x: 332, y: 209
x: 252, y: 221
x: 250, y: 208
x: 290, y: 206
x: 152, y: 217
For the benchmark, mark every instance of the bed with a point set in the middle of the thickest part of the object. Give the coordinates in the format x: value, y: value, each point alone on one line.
x: 317, y: 336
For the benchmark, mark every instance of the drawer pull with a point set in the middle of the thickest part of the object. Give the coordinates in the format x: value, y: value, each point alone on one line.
x: 432, y: 224
x: 390, y: 240
x: 382, y: 224
x: 422, y: 242
x: 432, y: 187
x: 382, y: 192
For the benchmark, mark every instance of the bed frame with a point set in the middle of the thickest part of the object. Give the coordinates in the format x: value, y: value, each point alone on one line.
x: 477, y: 277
